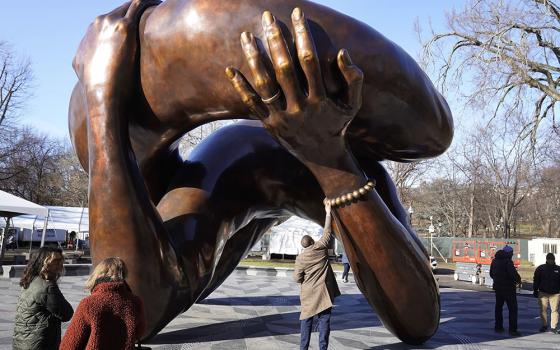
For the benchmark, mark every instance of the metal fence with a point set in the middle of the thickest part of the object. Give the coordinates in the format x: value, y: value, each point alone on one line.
x: 442, y: 246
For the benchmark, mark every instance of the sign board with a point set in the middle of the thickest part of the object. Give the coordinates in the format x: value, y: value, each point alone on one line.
x: 52, y: 235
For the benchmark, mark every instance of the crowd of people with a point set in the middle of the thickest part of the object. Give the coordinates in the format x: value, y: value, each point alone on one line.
x: 319, y: 288
x: 546, y: 288
x: 112, y: 317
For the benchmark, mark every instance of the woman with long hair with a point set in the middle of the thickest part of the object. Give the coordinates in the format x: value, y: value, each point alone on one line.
x: 111, y: 317
x: 41, y: 306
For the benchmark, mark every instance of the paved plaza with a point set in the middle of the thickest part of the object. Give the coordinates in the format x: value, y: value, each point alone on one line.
x: 261, y: 312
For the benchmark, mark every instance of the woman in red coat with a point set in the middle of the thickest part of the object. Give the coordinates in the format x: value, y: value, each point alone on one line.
x: 111, y: 317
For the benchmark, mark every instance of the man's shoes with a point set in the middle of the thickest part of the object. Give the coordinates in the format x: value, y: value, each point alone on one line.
x: 345, y: 280
x: 514, y: 333
x: 498, y: 329
x: 543, y: 329
x: 554, y: 330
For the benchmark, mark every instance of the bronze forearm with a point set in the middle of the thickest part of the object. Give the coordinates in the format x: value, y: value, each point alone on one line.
x: 216, y: 206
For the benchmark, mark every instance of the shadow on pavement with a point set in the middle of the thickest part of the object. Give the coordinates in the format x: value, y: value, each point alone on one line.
x: 443, y: 271
x: 273, y: 325
x: 275, y: 300
x: 352, y: 312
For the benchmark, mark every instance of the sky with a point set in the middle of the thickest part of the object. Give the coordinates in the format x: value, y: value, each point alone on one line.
x: 48, y: 34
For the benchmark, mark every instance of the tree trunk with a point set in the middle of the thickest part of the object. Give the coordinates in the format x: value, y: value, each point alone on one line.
x: 3, y: 241
x: 471, y: 212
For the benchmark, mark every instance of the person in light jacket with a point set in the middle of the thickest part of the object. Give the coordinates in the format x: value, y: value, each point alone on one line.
x: 318, y: 285
x: 41, y: 307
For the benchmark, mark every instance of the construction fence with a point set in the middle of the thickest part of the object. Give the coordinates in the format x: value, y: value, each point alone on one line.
x: 442, y: 246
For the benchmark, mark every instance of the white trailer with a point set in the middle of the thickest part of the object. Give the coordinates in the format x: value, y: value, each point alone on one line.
x: 51, y: 235
x: 539, y: 247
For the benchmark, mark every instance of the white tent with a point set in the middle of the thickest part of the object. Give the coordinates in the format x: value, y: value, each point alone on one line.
x: 59, y: 218
x: 286, y: 237
x: 11, y: 206
x: 26, y: 214
x: 64, y: 218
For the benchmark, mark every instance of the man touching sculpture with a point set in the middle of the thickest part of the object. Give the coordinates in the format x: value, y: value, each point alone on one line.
x: 318, y: 285
x: 182, y: 226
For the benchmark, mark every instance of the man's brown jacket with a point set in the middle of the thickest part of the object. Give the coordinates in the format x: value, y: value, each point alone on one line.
x: 318, y: 282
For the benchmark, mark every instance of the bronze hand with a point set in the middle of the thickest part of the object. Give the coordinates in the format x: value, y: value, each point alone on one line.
x: 307, y: 122
x: 210, y: 210
x: 390, y: 266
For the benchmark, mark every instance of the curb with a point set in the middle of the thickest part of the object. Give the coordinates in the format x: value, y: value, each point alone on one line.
x: 13, y: 271
x: 275, y: 271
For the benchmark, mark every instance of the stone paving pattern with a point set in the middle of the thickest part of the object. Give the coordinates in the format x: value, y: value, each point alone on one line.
x: 262, y: 312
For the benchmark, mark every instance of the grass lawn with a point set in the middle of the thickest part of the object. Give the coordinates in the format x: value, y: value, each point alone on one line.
x: 279, y: 263
x: 525, y: 270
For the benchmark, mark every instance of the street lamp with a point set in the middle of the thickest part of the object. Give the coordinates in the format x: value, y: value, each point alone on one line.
x: 431, y: 230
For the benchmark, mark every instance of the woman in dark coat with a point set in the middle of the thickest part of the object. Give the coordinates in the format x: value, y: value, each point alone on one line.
x: 111, y: 317
x: 41, y: 306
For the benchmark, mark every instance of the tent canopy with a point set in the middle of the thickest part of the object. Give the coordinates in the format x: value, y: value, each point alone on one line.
x: 11, y: 206
x: 286, y: 237
x: 64, y: 218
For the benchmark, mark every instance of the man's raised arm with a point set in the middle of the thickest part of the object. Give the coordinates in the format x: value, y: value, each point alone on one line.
x: 323, y: 242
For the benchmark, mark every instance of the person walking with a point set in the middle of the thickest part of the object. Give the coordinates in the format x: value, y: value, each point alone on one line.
x: 41, y: 307
x: 318, y: 285
x: 505, y: 279
x: 346, y: 266
x: 111, y: 317
x: 546, y: 287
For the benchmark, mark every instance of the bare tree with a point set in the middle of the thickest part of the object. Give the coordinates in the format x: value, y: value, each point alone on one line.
x: 15, y: 80
x: 68, y: 182
x: 41, y: 169
x: 466, y: 160
x: 194, y: 137
x: 544, y: 204
x: 405, y: 176
x: 545, y: 201
x: 509, y: 162
x: 508, y: 52
x: 451, y: 193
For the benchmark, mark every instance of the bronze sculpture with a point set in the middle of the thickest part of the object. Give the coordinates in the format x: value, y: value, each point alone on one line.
x: 150, y: 73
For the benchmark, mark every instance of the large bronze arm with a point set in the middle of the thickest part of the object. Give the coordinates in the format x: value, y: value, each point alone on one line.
x: 185, y: 44
x: 137, y: 96
x: 402, y: 117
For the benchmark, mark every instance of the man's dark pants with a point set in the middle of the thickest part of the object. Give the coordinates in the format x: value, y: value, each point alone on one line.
x: 324, y: 320
x: 507, y: 296
x: 346, y: 270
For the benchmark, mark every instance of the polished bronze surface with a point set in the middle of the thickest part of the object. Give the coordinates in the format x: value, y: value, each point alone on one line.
x: 329, y: 115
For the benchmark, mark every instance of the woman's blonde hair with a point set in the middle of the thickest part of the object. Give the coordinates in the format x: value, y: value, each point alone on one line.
x: 109, y: 270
